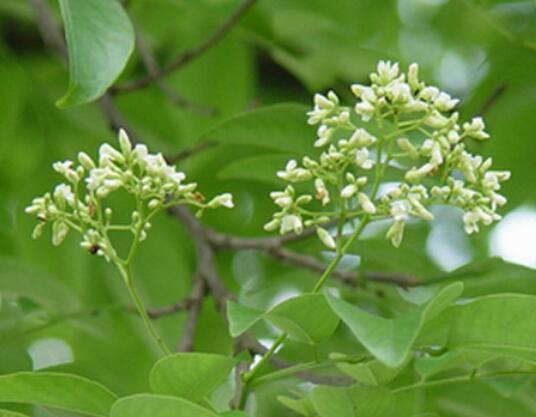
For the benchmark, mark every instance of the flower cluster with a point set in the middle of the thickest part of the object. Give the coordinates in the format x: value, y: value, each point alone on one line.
x: 402, y: 127
x: 79, y: 202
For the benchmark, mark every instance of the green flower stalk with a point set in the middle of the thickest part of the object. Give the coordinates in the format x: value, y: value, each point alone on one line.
x: 80, y: 204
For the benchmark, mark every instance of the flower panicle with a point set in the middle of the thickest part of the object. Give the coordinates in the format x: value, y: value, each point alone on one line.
x: 79, y: 202
x: 398, y: 125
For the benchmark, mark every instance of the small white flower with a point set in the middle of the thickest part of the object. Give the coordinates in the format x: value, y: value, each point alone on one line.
x: 59, y: 232
x: 366, y: 204
x: 365, y: 109
x: 63, y: 194
x: 396, y: 233
x: 222, y: 200
x: 291, y: 223
x: 294, y: 173
x: 326, y: 238
x: 444, y: 102
x: 322, y: 192
x: 362, y: 159
x: 413, y: 76
x: 362, y: 138
x: 124, y: 142
x: 386, y: 72
x: 400, y: 210
x: 475, y: 129
x: 348, y: 191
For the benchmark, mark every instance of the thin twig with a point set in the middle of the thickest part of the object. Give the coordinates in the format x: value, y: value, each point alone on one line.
x: 274, y: 247
x: 159, y: 312
x: 492, y: 99
x: 197, y: 295
x: 151, y: 65
x: 189, y: 55
x: 189, y: 152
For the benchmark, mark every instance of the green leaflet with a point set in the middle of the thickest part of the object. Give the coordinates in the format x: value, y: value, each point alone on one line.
x: 307, y: 318
x: 64, y: 391
x: 100, y: 39
x: 153, y: 405
x: 390, y: 340
x: 190, y: 375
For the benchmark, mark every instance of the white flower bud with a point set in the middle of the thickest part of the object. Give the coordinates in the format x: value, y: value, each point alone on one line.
x: 413, y: 76
x: 348, y: 191
x: 153, y: 203
x: 38, y: 230
x: 362, y: 138
x: 86, y: 161
x: 326, y: 238
x: 407, y: 146
x: 222, y: 200
x: 362, y: 159
x: 365, y: 203
x: 443, y: 102
x: 396, y: 233
x: 59, y: 232
x: 272, y: 225
x: 365, y: 109
x: 475, y: 129
x: 124, y: 142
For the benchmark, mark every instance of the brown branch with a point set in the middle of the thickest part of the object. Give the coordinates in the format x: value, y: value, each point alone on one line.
x: 48, y: 28
x: 492, y: 99
x: 158, y: 312
x: 197, y: 295
x: 274, y: 247
x: 152, y: 68
x: 188, y: 152
x: 189, y: 55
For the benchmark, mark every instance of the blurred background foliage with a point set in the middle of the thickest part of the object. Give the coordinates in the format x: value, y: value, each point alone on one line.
x: 61, y: 308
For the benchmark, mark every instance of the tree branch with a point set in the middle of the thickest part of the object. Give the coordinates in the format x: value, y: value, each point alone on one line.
x: 197, y: 295
x: 152, y: 68
x: 189, y: 55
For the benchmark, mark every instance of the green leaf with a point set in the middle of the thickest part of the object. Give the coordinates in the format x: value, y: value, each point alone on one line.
x: 497, y: 323
x: 332, y: 402
x: 64, y: 391
x: 234, y: 413
x: 300, y: 406
x: 8, y: 413
x: 19, y: 279
x: 307, y: 317
x: 372, y: 401
x: 390, y: 340
x: 427, y: 366
x: 241, y: 318
x: 190, y: 375
x: 100, y: 39
x: 153, y: 405
x: 281, y: 127
x: 372, y: 372
x: 257, y: 168
x: 492, y: 276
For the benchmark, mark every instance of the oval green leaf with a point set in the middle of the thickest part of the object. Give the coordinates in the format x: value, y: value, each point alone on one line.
x: 63, y: 391
x: 100, y: 39
x: 190, y: 375
x: 281, y: 127
x: 153, y: 405
x: 390, y: 340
